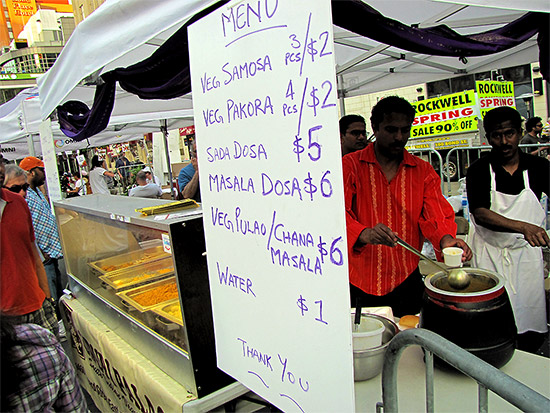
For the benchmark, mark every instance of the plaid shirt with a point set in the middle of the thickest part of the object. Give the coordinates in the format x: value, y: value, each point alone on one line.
x: 45, y: 226
x: 48, y: 381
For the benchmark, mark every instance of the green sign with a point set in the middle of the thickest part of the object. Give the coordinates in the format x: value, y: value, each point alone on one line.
x: 492, y: 94
x: 18, y: 76
x: 444, y: 115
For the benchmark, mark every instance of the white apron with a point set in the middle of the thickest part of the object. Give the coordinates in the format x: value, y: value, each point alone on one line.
x: 510, y: 256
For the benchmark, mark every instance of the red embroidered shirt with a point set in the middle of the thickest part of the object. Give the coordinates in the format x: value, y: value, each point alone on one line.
x: 411, y: 205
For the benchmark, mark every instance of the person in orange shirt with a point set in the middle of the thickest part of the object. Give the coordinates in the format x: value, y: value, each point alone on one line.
x: 391, y: 193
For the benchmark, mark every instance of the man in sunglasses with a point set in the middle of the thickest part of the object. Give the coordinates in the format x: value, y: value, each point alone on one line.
x: 504, y: 188
x: 16, y: 180
x: 25, y: 296
x: 45, y: 226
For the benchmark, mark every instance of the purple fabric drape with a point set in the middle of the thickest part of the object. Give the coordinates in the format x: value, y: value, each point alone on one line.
x: 438, y: 40
x: 78, y: 122
x: 165, y: 74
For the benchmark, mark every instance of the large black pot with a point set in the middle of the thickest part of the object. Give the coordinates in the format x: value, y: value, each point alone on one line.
x: 478, y: 319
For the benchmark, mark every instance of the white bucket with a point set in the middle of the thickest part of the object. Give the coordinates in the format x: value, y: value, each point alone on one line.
x: 369, y: 333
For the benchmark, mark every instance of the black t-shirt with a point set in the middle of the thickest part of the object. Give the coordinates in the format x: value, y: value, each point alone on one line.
x: 478, y: 179
x: 120, y: 164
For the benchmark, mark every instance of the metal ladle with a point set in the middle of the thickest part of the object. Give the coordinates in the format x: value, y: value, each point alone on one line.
x: 457, y: 277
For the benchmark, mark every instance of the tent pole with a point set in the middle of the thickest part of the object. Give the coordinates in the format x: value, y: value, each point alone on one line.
x: 30, y: 143
x: 342, y: 95
x: 547, y: 100
x: 50, y: 161
x: 164, y: 130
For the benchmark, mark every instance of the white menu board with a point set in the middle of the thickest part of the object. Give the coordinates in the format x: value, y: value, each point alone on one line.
x: 266, y: 119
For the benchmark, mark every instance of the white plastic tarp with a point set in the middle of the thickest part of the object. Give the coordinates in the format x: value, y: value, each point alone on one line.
x: 534, y: 5
x: 124, y: 32
x: 20, y: 119
x: 20, y: 116
x: 118, y: 34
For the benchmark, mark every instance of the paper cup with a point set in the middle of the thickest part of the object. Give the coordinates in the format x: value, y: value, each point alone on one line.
x: 452, y: 256
x: 369, y: 333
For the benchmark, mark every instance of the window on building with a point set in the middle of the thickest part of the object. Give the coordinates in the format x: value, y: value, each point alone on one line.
x: 35, y: 63
x: 8, y: 94
x: 518, y: 74
x: 459, y: 84
x: 482, y: 76
x: 438, y: 88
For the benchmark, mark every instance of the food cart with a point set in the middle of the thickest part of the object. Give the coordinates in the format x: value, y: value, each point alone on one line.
x: 139, y: 291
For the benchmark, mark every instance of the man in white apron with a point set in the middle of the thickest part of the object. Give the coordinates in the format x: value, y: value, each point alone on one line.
x: 504, y: 189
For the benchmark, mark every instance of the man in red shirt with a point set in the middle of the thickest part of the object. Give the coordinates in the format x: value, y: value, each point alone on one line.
x: 24, y: 293
x: 390, y: 193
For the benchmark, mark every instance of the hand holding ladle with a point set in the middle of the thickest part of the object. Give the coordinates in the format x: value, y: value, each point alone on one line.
x: 457, y: 277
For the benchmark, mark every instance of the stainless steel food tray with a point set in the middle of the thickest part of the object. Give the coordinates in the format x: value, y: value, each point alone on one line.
x: 166, y: 324
x: 162, y: 310
x: 127, y: 296
x: 137, y: 275
x: 128, y: 260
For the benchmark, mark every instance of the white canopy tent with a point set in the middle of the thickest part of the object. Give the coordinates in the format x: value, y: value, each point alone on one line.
x: 19, y: 149
x: 20, y: 117
x: 20, y: 122
x: 123, y: 32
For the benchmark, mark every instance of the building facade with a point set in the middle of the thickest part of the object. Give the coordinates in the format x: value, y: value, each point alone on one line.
x: 530, y: 90
x: 31, y: 49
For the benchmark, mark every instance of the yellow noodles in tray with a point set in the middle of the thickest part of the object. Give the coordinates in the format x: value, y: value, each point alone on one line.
x: 143, y: 276
x: 157, y: 295
x: 141, y: 260
x: 169, y: 207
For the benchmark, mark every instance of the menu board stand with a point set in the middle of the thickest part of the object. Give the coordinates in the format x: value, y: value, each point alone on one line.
x: 268, y: 149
